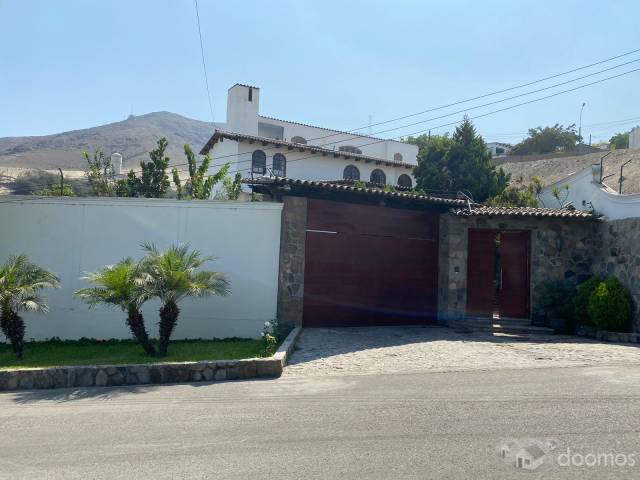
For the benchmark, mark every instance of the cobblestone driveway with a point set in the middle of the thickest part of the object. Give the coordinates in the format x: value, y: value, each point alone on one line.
x: 373, y: 350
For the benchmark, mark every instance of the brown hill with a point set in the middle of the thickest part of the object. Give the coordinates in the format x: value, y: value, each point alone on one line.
x: 133, y: 138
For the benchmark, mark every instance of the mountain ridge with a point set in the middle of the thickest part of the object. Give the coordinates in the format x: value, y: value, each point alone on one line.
x: 133, y: 137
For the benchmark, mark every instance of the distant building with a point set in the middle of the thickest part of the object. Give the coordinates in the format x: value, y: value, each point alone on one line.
x: 498, y: 149
x: 256, y: 145
x: 634, y: 138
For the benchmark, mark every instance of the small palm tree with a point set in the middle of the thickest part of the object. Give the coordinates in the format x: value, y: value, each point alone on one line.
x: 172, y: 276
x: 20, y: 284
x: 120, y: 285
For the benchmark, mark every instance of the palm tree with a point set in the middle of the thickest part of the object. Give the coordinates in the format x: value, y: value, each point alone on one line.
x: 120, y: 285
x: 172, y: 276
x: 20, y: 284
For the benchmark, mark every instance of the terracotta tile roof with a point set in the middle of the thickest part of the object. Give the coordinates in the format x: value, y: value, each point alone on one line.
x: 332, y: 129
x: 482, y: 211
x: 334, y: 187
x: 218, y: 134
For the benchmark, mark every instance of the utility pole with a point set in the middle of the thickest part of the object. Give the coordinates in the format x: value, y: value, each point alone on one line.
x: 580, y: 127
x: 61, y: 182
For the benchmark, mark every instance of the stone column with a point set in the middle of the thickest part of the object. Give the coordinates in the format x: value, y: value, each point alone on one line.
x: 292, y: 251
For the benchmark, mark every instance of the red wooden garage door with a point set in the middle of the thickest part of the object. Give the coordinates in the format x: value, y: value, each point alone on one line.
x: 369, y: 265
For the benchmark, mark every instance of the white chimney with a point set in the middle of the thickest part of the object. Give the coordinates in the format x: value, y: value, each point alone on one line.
x: 116, y: 162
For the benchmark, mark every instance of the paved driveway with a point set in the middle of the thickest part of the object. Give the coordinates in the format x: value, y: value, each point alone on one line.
x: 374, y: 350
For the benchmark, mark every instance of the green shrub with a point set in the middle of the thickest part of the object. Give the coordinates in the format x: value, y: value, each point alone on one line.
x: 556, y: 299
x: 581, y: 302
x: 609, y: 307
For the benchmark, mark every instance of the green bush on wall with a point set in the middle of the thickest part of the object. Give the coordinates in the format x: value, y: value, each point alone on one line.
x: 609, y: 307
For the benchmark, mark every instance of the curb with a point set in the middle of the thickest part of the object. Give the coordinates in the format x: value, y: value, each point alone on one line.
x: 150, y: 373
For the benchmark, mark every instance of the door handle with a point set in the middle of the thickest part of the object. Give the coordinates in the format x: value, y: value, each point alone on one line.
x: 501, y: 279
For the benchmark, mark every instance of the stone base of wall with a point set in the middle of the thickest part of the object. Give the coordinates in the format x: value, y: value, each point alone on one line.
x: 605, y: 336
x: 151, y: 373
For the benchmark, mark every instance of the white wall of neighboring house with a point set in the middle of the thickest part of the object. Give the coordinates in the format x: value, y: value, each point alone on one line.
x: 300, y: 165
x: 72, y: 236
x: 583, y: 189
x: 498, y: 149
x: 634, y: 138
x: 243, y: 117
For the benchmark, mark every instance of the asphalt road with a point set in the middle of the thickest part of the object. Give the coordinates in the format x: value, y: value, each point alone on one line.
x: 437, y: 425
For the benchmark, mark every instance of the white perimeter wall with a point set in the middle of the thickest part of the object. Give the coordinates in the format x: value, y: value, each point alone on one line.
x: 605, y: 201
x: 73, y: 236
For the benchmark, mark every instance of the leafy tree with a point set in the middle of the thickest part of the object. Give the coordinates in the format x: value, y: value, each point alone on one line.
x: 459, y: 163
x: 100, y: 174
x: 20, y: 284
x: 153, y: 181
x: 120, y: 285
x: 619, y: 140
x: 519, y: 195
x: 198, y: 186
x: 547, y: 140
x: 231, y: 187
x: 174, y: 275
x: 560, y: 194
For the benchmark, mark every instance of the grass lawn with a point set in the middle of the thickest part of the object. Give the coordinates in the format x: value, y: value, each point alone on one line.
x: 94, y: 352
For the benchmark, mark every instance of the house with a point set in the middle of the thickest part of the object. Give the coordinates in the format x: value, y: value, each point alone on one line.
x: 634, y: 138
x: 530, y: 458
x: 499, y: 149
x: 257, y: 146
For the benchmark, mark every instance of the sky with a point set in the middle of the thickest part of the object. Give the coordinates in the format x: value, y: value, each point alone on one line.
x: 71, y: 64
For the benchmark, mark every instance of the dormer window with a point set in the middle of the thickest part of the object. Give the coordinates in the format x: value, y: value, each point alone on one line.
x: 397, y: 157
x: 350, y: 149
x: 299, y: 140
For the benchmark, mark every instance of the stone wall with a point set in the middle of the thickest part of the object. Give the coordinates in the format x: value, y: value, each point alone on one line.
x: 292, y: 251
x: 619, y: 255
x: 560, y: 249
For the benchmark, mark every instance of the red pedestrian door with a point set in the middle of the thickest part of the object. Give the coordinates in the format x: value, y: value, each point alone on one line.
x: 369, y: 265
x: 498, y: 273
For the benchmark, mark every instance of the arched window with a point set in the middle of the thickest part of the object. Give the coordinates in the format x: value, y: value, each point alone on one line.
x: 259, y: 162
x: 350, y: 149
x: 405, y: 181
x: 378, y: 177
x: 397, y: 157
x: 351, y: 172
x: 279, y: 165
x: 298, y: 140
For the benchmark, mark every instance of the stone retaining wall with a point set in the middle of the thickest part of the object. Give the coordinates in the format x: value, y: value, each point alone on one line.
x: 152, y: 373
x: 590, y: 332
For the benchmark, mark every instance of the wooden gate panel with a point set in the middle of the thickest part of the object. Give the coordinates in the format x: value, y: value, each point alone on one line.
x: 515, y: 251
x: 481, y: 270
x: 369, y: 265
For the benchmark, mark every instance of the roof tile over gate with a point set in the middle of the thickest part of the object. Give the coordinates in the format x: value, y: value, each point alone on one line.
x: 482, y: 211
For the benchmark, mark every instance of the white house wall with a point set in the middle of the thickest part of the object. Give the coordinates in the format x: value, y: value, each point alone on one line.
x: 303, y: 165
x: 333, y: 140
x: 74, y: 236
x: 582, y: 190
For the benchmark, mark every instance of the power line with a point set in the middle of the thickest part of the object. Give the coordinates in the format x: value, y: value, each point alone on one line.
x: 456, y: 122
x: 204, y: 65
x: 456, y: 103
